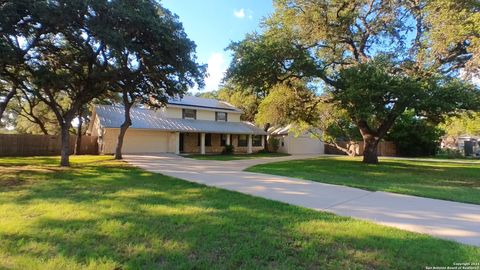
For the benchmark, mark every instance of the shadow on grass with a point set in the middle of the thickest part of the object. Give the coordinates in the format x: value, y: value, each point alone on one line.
x: 129, y: 218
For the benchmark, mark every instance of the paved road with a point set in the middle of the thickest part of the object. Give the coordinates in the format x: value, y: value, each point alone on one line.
x: 444, y: 219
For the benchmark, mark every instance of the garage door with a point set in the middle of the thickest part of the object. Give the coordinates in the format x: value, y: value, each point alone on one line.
x: 137, y: 141
x: 304, y: 145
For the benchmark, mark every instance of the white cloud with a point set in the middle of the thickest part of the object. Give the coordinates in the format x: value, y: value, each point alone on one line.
x: 217, y: 65
x: 239, y: 13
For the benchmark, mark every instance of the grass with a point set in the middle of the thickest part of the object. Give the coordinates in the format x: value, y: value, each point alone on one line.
x: 236, y: 156
x: 434, y: 179
x: 103, y: 214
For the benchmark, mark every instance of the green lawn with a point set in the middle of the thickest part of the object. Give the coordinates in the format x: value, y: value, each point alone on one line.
x: 103, y: 214
x: 236, y: 156
x: 434, y: 179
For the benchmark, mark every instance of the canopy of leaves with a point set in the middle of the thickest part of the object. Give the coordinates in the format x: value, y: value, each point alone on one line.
x: 466, y: 123
x: 414, y: 136
x: 375, y: 93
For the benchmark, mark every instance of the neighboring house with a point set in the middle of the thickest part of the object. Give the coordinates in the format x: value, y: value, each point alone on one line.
x: 468, y: 145
x: 186, y: 125
x: 292, y: 143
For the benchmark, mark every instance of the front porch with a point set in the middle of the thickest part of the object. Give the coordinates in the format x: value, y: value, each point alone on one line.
x: 214, y: 143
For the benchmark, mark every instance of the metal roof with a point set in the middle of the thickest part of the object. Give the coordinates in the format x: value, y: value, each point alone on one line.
x: 280, y: 130
x: 113, y: 117
x: 192, y: 101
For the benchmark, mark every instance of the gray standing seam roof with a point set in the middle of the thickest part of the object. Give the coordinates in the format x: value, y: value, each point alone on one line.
x: 113, y: 117
x: 192, y: 101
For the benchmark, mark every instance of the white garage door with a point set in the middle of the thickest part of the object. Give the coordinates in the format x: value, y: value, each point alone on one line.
x: 140, y: 141
x: 304, y: 145
x: 137, y: 141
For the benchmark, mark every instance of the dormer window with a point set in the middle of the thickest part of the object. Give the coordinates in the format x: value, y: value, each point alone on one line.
x: 221, y: 116
x: 189, y: 114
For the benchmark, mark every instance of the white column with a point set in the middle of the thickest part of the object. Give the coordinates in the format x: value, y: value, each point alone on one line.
x: 228, y: 140
x: 177, y: 143
x: 202, y: 143
x: 263, y: 141
x: 249, y: 149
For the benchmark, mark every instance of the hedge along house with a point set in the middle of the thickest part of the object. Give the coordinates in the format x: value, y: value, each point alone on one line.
x: 186, y: 125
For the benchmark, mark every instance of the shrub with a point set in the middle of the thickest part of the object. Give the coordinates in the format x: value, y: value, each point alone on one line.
x: 228, y: 150
x: 273, y: 144
x: 449, y: 153
x: 414, y: 136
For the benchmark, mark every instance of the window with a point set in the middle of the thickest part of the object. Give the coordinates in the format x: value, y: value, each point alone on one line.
x: 223, y: 139
x: 242, y: 140
x: 189, y: 114
x: 257, y: 140
x: 221, y: 116
x: 208, y: 139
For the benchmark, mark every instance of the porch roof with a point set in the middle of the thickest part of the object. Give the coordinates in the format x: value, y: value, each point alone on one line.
x: 112, y: 117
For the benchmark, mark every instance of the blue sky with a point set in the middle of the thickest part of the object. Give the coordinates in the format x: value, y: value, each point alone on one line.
x: 213, y: 24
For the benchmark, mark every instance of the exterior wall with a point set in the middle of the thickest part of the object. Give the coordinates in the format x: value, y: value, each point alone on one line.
x: 174, y: 112
x: 302, y: 144
x: 139, y: 141
x: 233, y: 117
x: 190, y: 144
x: 205, y: 115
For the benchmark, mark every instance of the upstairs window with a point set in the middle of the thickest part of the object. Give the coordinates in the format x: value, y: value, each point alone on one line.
x: 220, y: 116
x: 189, y: 114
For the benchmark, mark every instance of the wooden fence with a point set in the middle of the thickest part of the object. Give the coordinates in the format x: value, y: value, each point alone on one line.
x: 24, y: 145
x: 384, y: 149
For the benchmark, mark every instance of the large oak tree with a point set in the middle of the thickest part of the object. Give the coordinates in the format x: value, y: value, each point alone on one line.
x: 377, y: 58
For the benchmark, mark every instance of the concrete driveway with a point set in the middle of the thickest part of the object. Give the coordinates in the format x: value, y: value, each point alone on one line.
x: 444, y: 219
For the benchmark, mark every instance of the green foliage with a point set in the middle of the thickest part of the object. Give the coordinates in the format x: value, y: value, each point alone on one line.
x: 228, y: 149
x: 364, y: 53
x: 453, y: 22
x: 414, y: 136
x: 374, y: 94
x: 449, y: 153
x: 274, y: 144
x: 257, y: 63
x: 79, y: 50
x: 461, y: 124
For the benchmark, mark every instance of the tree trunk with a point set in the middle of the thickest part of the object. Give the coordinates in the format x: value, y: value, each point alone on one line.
x: 4, y: 103
x: 78, y: 140
x: 123, y: 129
x: 370, y: 155
x: 265, y: 138
x: 65, y: 145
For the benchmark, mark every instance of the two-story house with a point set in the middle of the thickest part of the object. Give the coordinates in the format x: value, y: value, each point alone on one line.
x: 186, y: 125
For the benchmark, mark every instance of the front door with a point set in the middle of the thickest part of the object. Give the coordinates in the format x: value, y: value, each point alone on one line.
x: 468, y: 147
x: 181, y: 141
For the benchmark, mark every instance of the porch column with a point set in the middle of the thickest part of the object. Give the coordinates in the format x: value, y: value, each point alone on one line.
x: 249, y: 149
x: 228, y: 140
x: 263, y: 141
x: 202, y: 143
x: 177, y: 143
